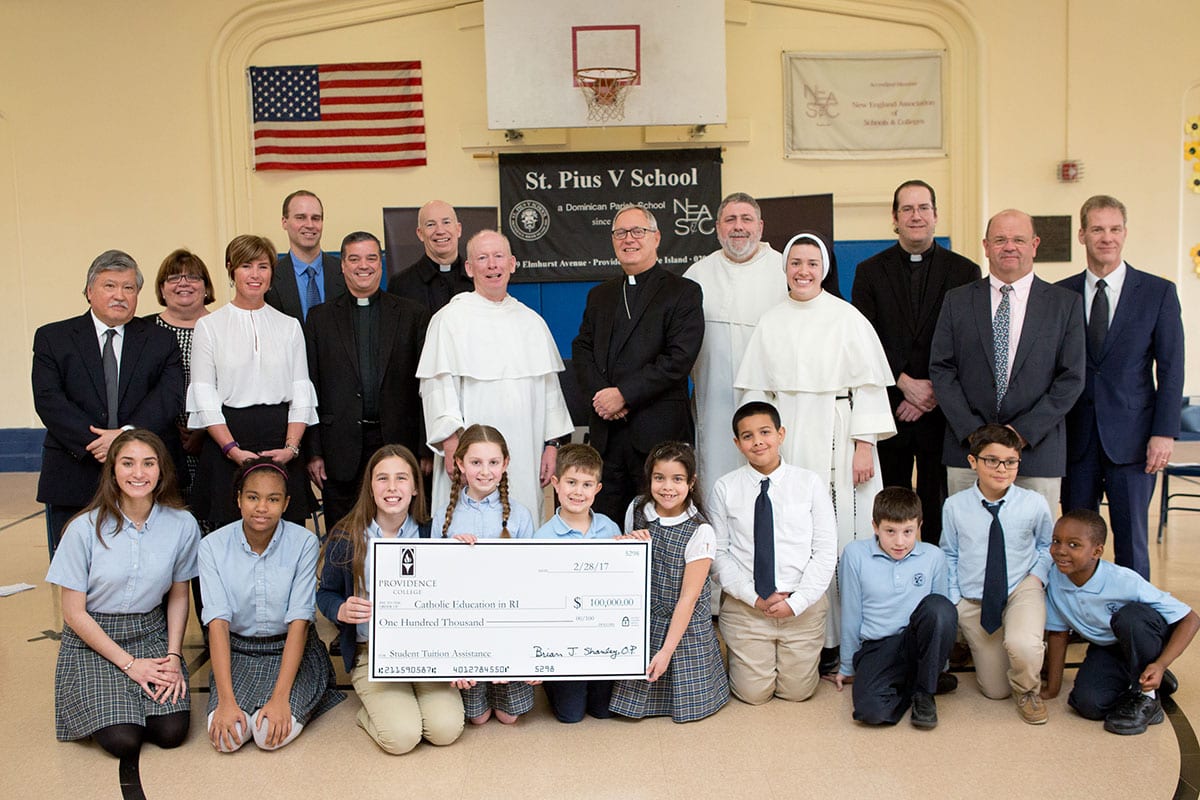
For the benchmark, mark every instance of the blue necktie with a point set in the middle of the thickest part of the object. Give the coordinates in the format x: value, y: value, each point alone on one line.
x: 1097, y: 328
x: 995, y: 574
x: 764, y: 543
x: 1000, y: 342
x: 313, y: 296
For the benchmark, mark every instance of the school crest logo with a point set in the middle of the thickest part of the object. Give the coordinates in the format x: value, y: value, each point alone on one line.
x: 1112, y: 608
x: 919, y: 579
x: 529, y: 220
x: 406, y: 561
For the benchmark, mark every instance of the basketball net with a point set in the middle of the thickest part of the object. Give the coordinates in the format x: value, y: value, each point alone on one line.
x: 604, y: 89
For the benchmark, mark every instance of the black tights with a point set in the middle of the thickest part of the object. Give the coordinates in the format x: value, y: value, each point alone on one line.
x: 125, y: 742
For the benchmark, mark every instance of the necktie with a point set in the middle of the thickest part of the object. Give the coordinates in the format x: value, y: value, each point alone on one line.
x: 109, y: 358
x: 1000, y: 342
x: 764, y: 543
x: 1097, y: 327
x: 313, y: 296
x: 995, y: 574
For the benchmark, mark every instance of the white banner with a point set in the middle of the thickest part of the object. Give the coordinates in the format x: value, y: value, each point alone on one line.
x: 863, y: 105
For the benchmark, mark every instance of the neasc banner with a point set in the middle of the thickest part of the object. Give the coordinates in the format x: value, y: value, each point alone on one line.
x: 557, y: 209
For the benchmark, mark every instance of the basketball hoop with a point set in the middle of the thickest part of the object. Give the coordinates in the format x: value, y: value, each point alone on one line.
x: 605, y: 89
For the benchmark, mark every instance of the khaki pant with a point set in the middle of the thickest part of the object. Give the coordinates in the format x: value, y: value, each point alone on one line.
x: 1009, y: 660
x: 398, y: 715
x: 960, y: 478
x: 772, y: 657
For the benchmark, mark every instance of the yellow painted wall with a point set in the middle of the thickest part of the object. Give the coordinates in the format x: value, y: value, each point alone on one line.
x: 123, y: 124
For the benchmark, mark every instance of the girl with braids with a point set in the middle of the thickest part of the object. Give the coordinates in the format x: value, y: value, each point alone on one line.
x: 479, y: 504
x: 132, y: 545
x: 270, y: 673
x: 686, y: 677
x: 391, y: 504
x: 480, y: 509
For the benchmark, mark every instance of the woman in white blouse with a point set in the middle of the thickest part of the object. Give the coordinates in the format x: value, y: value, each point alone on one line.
x: 249, y: 387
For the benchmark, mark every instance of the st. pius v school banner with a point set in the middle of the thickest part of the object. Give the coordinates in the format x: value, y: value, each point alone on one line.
x: 557, y: 209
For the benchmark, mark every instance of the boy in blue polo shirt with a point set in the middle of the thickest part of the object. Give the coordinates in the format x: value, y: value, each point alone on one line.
x: 576, y: 482
x: 897, y: 623
x: 1135, y: 630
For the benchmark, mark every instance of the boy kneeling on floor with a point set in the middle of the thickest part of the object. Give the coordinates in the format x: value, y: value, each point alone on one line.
x: 1134, y: 629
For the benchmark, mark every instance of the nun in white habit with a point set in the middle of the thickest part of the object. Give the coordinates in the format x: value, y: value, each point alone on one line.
x: 817, y: 359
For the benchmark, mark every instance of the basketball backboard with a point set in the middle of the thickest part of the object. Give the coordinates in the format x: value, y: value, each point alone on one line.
x: 572, y: 64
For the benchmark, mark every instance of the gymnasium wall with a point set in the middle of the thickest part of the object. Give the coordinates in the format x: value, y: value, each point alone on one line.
x: 125, y: 127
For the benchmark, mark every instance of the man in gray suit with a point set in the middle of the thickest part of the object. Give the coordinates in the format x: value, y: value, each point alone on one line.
x: 1009, y: 349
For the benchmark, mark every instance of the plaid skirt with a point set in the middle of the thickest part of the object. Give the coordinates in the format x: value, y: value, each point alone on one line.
x: 90, y: 692
x: 254, y: 663
x: 514, y: 698
x: 695, y: 684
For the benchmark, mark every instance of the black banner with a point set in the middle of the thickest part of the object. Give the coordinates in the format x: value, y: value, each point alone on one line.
x: 557, y: 208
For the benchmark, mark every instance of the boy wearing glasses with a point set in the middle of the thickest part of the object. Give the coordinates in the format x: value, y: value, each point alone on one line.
x: 996, y: 537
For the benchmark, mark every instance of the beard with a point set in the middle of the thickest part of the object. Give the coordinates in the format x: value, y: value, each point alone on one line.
x: 738, y: 248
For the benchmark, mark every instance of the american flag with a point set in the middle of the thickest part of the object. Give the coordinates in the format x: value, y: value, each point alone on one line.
x: 338, y: 116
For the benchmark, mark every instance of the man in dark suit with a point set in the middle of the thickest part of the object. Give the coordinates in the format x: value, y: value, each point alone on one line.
x: 1009, y: 349
x: 900, y: 291
x: 305, y: 277
x: 363, y: 350
x: 95, y: 375
x: 640, y: 335
x: 438, y: 275
x: 1122, y: 430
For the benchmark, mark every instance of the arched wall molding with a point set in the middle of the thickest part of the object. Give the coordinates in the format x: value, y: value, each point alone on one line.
x: 252, y: 28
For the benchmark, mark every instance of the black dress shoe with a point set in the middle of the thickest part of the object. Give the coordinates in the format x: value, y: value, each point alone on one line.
x: 946, y: 683
x: 1134, y: 714
x: 830, y: 661
x: 1169, y: 684
x: 924, y: 711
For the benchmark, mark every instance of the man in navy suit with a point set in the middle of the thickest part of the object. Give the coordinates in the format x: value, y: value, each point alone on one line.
x: 95, y: 375
x: 306, y: 276
x: 1122, y: 430
x: 1031, y: 381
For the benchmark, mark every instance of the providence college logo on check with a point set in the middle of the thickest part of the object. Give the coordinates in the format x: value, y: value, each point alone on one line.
x: 509, y: 609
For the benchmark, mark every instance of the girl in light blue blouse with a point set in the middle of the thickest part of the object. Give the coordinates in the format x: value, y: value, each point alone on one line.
x: 480, y: 509
x: 270, y: 673
x: 133, y: 545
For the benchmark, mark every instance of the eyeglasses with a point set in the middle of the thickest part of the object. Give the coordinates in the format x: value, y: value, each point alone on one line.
x: 924, y: 208
x: 181, y: 278
x: 991, y: 462
x: 1003, y: 241
x: 637, y: 233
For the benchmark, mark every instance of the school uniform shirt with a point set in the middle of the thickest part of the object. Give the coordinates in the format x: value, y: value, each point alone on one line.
x: 1088, y: 609
x: 966, y: 525
x: 408, y: 530
x: 259, y: 595
x: 805, y: 533
x: 703, y: 543
x: 135, y: 570
x: 555, y: 528
x: 484, y: 518
x: 880, y: 593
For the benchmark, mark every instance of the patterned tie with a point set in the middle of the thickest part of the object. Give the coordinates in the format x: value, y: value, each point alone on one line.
x: 1097, y: 327
x: 764, y: 543
x: 111, y: 382
x: 1000, y: 343
x: 995, y: 574
x: 313, y: 296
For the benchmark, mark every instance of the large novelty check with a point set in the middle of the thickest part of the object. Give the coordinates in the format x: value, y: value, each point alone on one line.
x: 508, y: 609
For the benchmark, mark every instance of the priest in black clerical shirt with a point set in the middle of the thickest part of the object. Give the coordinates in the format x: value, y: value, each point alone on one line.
x: 363, y: 350
x: 438, y: 275
x: 900, y: 292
